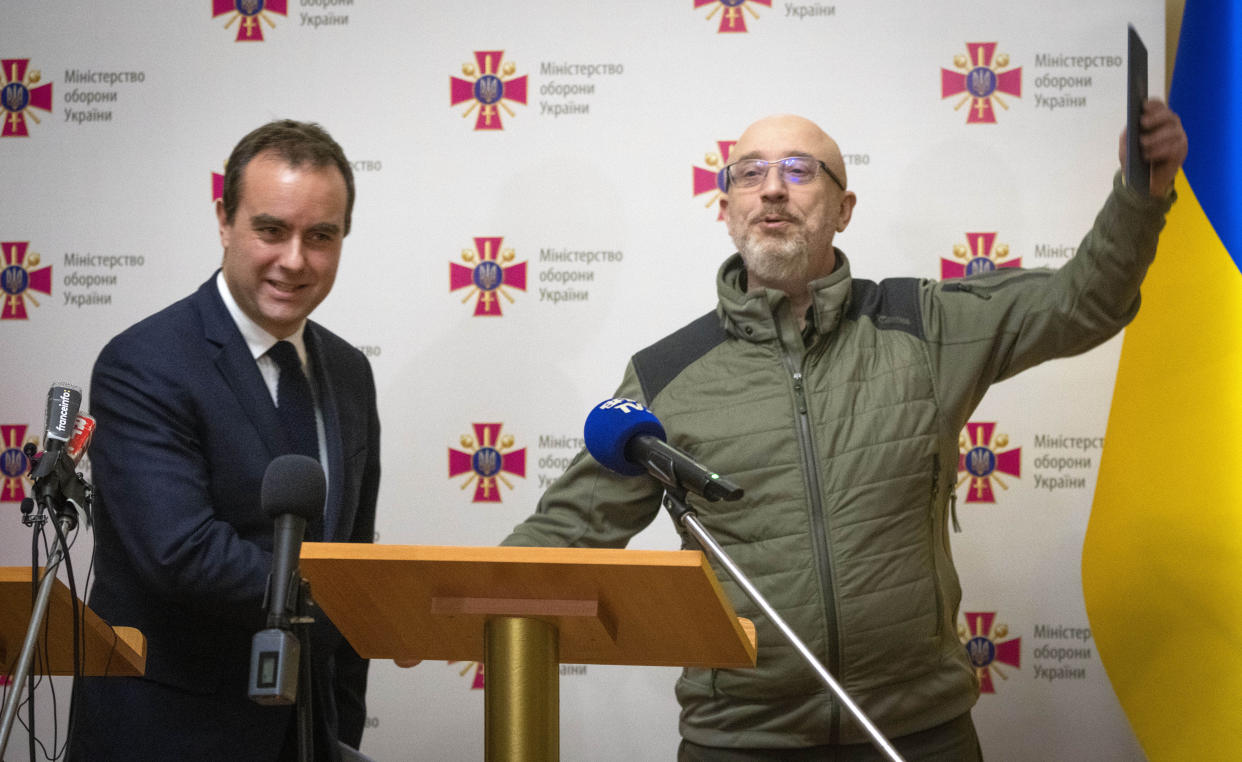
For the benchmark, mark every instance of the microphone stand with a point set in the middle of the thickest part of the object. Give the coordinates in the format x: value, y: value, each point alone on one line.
x: 683, y: 515
x: 302, y: 621
x: 67, y: 521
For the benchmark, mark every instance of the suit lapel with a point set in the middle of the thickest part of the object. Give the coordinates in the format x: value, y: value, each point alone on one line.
x: 238, y: 368
x: 326, y: 388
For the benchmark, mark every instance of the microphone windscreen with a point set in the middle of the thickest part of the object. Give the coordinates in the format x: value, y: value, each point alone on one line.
x: 609, y: 428
x: 293, y: 484
x: 63, y: 402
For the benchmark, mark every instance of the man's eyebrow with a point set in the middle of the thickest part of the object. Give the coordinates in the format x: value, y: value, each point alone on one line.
x: 266, y: 220
x: 325, y: 227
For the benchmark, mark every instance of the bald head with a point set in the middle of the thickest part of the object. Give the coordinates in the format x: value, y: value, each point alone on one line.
x: 781, y: 135
x: 784, y: 227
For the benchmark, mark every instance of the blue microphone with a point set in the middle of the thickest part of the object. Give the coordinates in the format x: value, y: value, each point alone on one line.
x: 624, y: 436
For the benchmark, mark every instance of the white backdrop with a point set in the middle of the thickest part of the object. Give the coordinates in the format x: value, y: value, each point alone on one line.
x: 590, y: 182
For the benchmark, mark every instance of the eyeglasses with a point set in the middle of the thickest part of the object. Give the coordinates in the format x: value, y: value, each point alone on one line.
x: 798, y: 170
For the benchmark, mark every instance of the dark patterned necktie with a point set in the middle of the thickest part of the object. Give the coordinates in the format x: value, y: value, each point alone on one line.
x: 294, y: 403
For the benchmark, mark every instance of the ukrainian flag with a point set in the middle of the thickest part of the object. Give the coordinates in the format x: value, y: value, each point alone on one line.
x: 1162, y: 558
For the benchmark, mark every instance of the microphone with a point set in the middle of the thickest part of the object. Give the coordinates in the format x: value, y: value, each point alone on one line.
x: 67, y: 432
x: 293, y: 493
x: 627, y: 438
x: 63, y: 403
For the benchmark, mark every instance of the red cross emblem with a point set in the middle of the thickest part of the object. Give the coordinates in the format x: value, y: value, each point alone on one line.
x: 250, y: 13
x: 487, y: 272
x: 978, y: 255
x: 14, y: 464
x: 732, y: 19
x: 20, y: 278
x: 985, y: 648
x: 981, y: 80
x: 980, y: 464
x: 476, y: 682
x: 20, y: 92
x: 711, y: 180
x: 484, y: 457
x: 487, y: 88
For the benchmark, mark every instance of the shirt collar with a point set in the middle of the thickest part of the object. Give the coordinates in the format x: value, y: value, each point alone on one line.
x: 257, y: 339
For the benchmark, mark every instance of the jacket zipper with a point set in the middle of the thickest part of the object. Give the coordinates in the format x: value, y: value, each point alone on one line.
x: 934, y: 534
x: 984, y: 291
x: 935, y: 491
x: 819, y: 535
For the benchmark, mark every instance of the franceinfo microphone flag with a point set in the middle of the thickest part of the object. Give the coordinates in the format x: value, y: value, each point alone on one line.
x: 63, y: 403
x: 292, y: 494
x: 626, y: 437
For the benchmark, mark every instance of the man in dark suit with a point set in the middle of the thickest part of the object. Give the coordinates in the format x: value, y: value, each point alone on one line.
x: 191, y: 409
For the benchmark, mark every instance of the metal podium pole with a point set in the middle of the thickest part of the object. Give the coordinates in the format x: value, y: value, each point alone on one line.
x: 521, y: 690
x: 682, y: 515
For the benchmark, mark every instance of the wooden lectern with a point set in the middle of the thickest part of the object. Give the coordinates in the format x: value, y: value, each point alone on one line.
x: 522, y: 612
x: 105, y: 650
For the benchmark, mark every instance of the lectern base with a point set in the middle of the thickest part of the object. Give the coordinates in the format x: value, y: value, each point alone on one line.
x: 521, y: 690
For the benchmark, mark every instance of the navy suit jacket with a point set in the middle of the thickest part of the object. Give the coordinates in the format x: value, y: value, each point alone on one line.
x: 186, y: 428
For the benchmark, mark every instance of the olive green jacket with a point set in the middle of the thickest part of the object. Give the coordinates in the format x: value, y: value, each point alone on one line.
x: 845, y: 440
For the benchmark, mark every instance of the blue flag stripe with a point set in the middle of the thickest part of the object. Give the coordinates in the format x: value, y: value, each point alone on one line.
x: 1211, y: 111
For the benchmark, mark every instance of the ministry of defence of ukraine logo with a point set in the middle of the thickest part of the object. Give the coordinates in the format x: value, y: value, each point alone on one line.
x: 20, y: 93
x: 476, y: 682
x: 986, y: 648
x: 489, y: 271
x: 487, y: 88
x: 20, y: 277
x: 13, y: 463
x: 712, y: 180
x: 981, y: 461
x: 249, y: 14
x: 980, y: 254
x: 732, y: 19
x: 483, y: 456
x: 980, y: 81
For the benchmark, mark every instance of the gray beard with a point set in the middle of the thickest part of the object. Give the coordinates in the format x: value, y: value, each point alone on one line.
x: 773, y: 260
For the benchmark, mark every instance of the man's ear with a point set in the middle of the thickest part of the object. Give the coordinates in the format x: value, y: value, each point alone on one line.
x: 846, y: 211
x: 222, y: 222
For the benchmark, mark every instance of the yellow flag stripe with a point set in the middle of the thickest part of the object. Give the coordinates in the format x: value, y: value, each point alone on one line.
x: 1162, y: 558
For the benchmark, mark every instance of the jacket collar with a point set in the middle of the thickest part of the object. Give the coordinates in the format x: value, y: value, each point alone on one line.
x: 757, y: 316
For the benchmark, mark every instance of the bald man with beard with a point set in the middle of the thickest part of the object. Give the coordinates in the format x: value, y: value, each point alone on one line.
x: 836, y: 404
